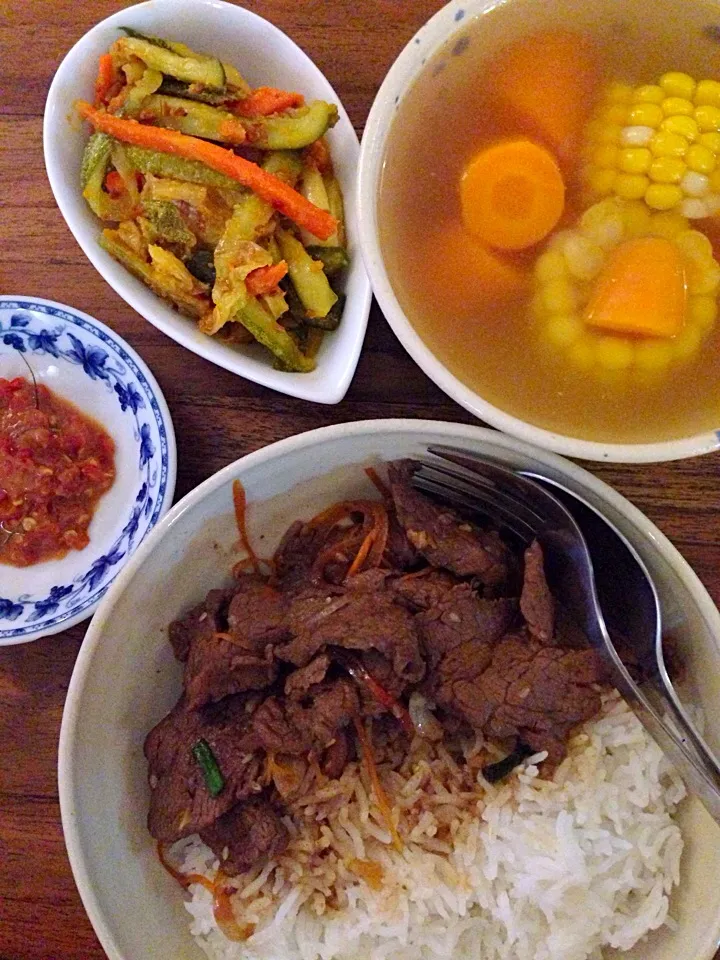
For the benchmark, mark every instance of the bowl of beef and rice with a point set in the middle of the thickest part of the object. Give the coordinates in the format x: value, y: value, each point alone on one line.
x: 359, y: 725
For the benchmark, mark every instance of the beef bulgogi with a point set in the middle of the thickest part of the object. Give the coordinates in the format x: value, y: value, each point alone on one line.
x: 366, y: 604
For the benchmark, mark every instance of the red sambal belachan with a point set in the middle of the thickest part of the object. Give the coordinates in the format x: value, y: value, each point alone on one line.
x: 55, y: 465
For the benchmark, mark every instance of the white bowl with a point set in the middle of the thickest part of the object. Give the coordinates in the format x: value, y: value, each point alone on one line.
x: 403, y: 73
x: 135, y: 907
x: 85, y: 362
x: 266, y: 56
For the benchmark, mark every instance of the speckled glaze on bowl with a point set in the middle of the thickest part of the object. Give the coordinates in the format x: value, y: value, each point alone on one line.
x: 135, y: 907
x: 446, y: 23
x: 266, y: 56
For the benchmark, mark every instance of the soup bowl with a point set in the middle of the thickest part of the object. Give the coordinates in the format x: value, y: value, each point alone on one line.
x: 126, y: 678
x: 437, y: 47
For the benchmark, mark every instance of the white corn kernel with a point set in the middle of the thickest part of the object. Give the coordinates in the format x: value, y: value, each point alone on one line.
x: 637, y: 136
x: 694, y: 209
x: 695, y: 184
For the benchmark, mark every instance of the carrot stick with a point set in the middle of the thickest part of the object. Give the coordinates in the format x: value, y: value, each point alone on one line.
x: 270, y: 188
x: 105, y: 77
x: 265, y: 279
x: 266, y: 100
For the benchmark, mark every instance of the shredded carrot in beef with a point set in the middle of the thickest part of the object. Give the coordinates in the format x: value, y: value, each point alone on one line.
x: 362, y: 553
x: 382, y: 487
x: 380, y: 796
x: 240, y: 503
x: 225, y: 915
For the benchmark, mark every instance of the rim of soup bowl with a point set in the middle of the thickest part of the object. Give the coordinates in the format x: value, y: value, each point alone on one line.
x: 398, y: 81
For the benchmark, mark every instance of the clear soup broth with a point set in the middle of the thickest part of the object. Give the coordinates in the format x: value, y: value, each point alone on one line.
x: 450, y: 114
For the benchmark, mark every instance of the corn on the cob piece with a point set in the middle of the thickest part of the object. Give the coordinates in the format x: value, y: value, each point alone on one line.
x: 565, y: 273
x: 659, y: 143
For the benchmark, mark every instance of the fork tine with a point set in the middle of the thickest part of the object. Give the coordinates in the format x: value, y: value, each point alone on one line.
x: 506, y: 496
x: 478, y: 501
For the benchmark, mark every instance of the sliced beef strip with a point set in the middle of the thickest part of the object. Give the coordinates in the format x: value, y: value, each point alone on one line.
x: 336, y: 755
x: 257, y: 615
x: 208, y: 614
x: 251, y: 831
x: 536, y: 601
x: 295, y: 556
x: 300, y: 681
x: 356, y: 621
x: 533, y: 692
x: 240, y: 658
x: 180, y: 803
x: 424, y: 590
x: 462, y: 617
x: 399, y: 552
x: 444, y: 538
x: 284, y: 726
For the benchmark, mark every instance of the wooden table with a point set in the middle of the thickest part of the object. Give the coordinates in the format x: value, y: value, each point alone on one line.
x: 218, y: 417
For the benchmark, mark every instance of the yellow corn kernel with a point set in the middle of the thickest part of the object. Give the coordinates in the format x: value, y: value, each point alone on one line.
x: 614, y: 353
x: 602, y: 223
x: 634, y: 160
x: 707, y: 92
x: 631, y: 186
x: 636, y: 218
x: 602, y: 181
x: 667, y: 225
x: 619, y: 93
x: 711, y: 141
x: 667, y: 170
x: 714, y: 179
x: 559, y: 296
x: 700, y: 159
x: 663, y: 196
x: 702, y: 311
x: 685, y: 126
x: 581, y: 352
x: 616, y: 113
x: 549, y: 266
x: 677, y: 107
x: 609, y: 133
x: 708, y: 118
x: 703, y: 278
x: 564, y: 329
x: 688, y: 342
x: 645, y: 115
x: 653, y: 354
x: 605, y: 156
x: 695, y: 246
x: 678, y: 85
x: 666, y: 144
x: 650, y: 93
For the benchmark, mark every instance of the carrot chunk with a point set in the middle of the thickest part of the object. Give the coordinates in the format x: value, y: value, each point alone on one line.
x: 512, y: 194
x: 548, y: 81
x: 265, y: 279
x: 641, y: 290
x: 267, y: 186
x: 266, y: 100
x: 105, y: 78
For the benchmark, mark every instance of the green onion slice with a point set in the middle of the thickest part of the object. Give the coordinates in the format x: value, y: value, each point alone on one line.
x: 214, y: 780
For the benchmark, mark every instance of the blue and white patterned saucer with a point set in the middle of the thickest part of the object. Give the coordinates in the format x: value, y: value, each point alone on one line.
x: 87, y: 363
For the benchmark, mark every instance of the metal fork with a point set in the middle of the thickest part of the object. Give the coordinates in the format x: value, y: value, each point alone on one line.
x: 521, y: 503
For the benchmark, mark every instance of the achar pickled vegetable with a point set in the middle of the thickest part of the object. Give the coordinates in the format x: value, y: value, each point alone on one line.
x: 250, y: 251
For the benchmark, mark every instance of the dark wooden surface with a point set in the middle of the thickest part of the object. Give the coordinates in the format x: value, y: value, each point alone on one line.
x: 218, y: 417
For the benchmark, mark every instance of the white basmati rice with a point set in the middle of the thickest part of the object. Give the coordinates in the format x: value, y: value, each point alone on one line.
x: 529, y: 869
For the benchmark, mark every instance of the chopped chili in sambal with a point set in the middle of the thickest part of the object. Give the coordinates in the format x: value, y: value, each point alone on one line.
x: 55, y: 465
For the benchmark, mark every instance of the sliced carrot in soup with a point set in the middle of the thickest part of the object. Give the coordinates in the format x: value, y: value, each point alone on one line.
x: 641, y: 290
x: 548, y: 82
x: 512, y: 194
